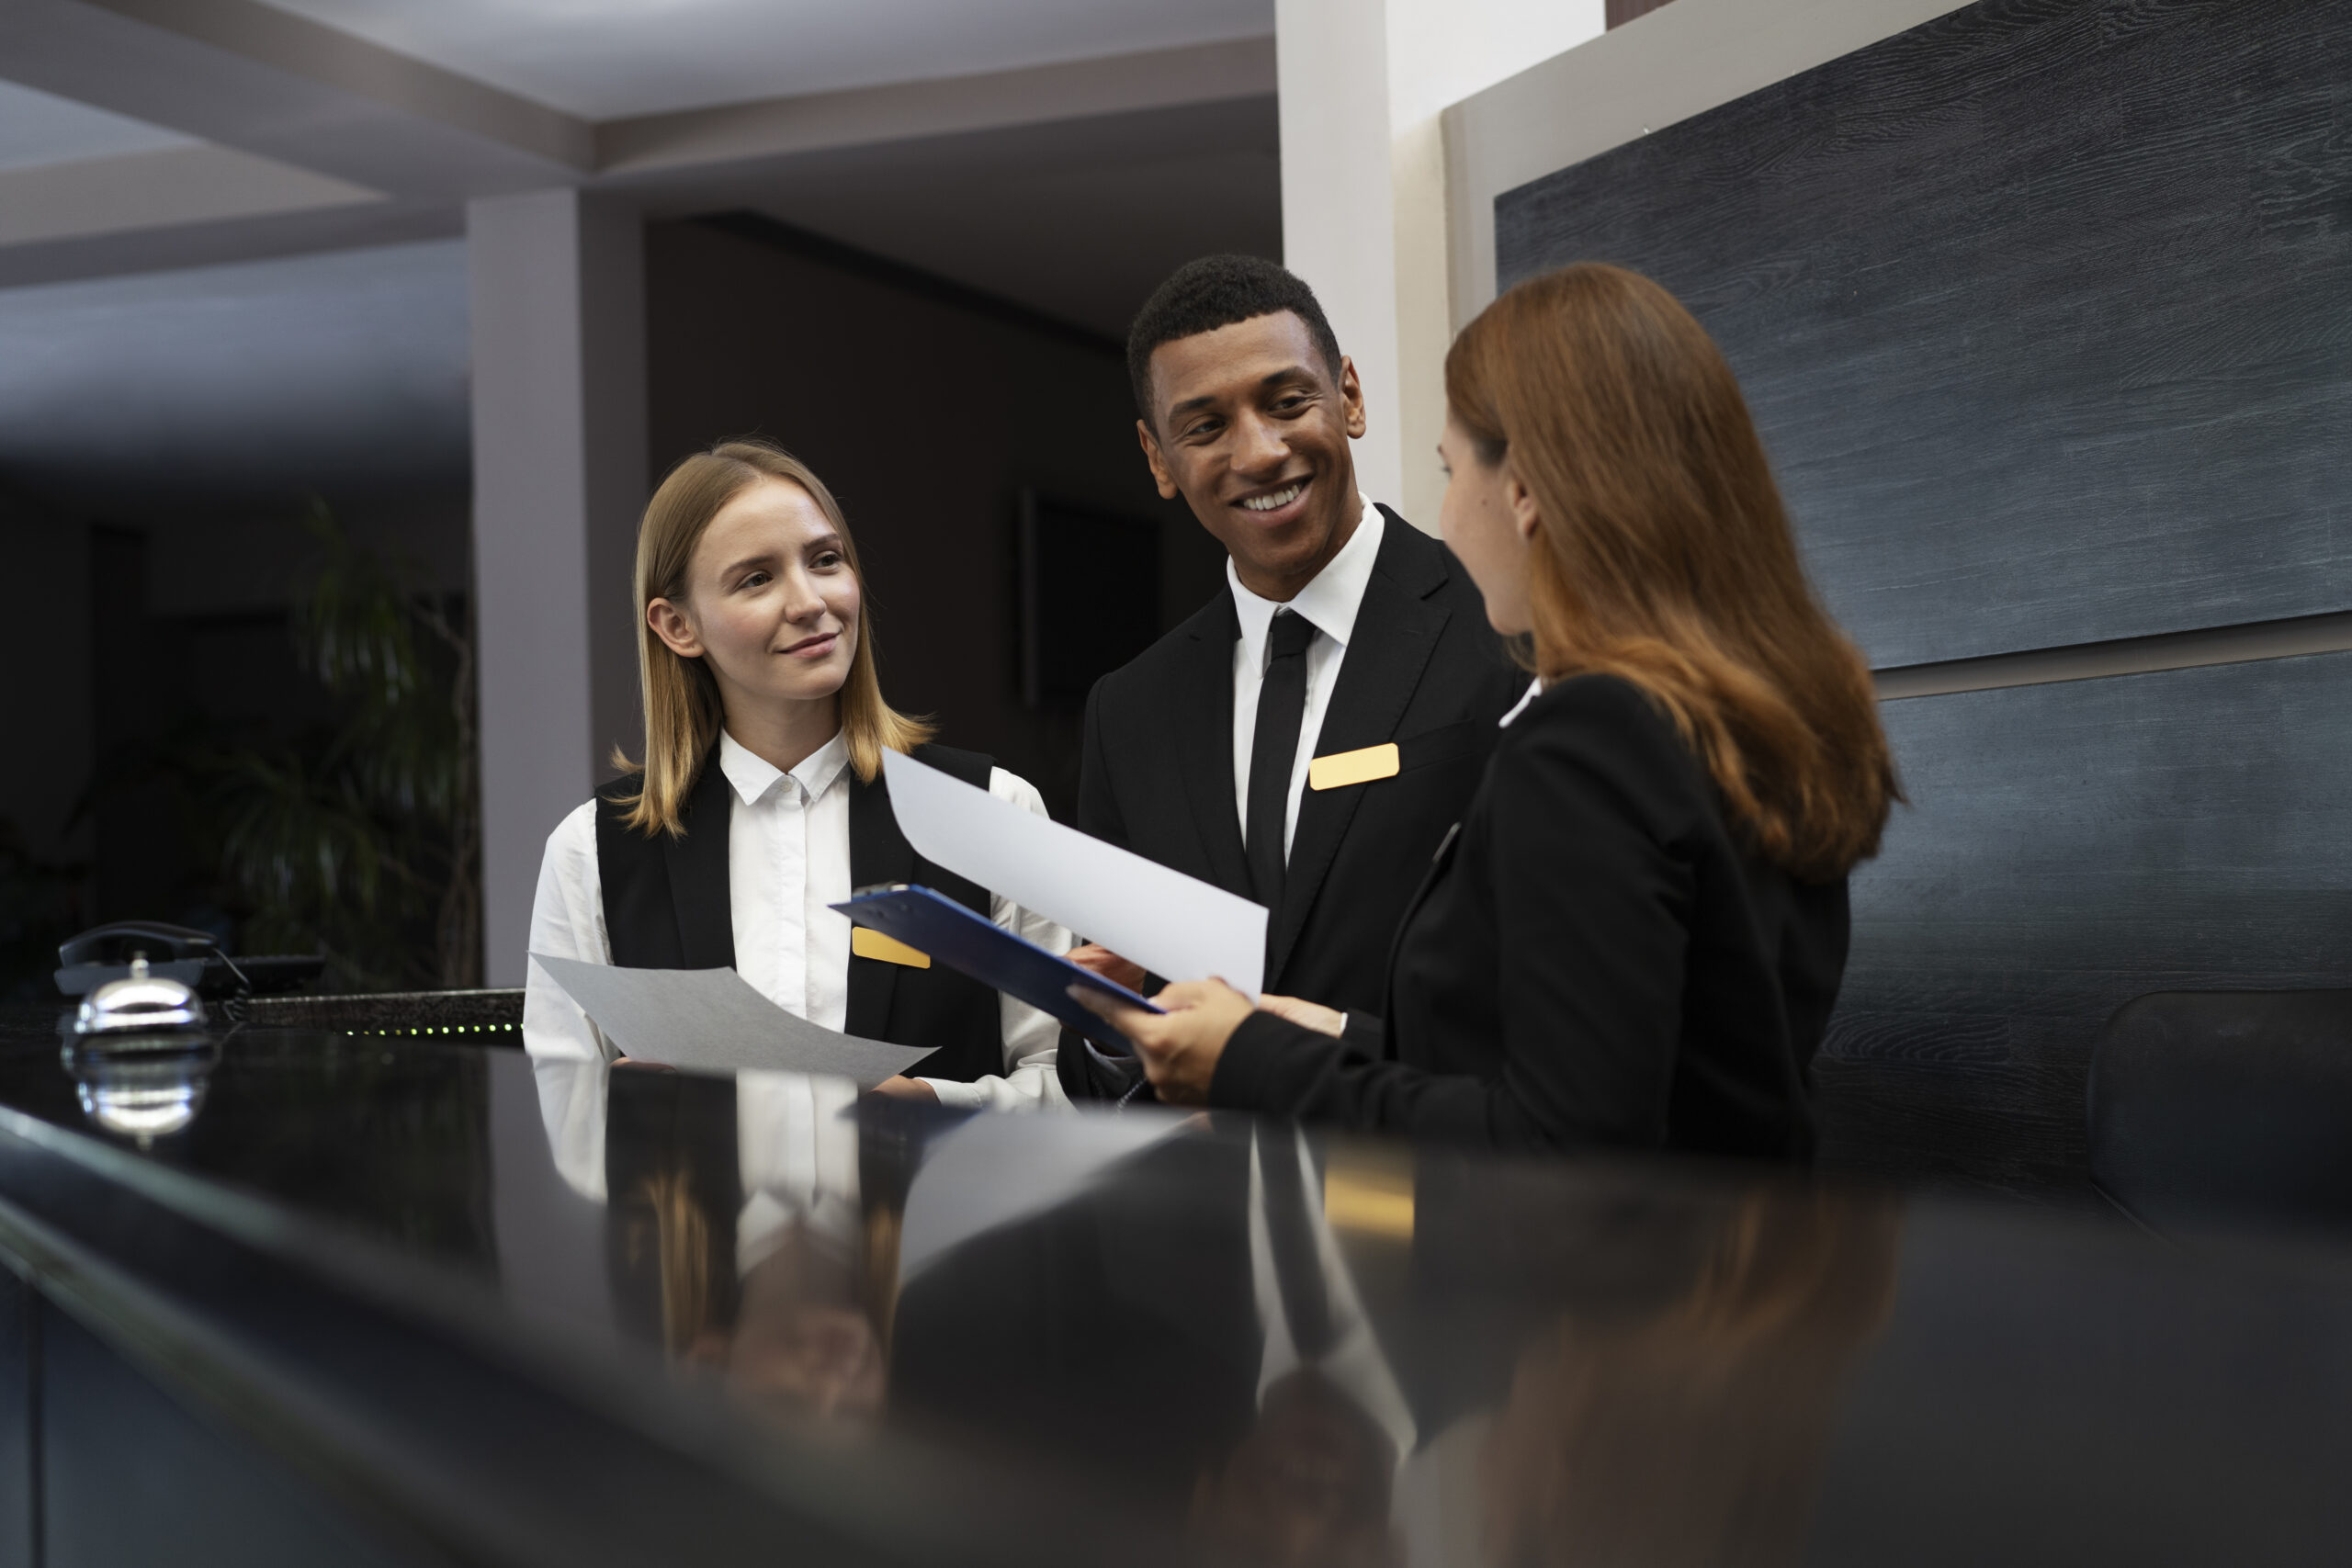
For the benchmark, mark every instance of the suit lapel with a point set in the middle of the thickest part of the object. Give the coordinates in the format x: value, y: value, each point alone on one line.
x: 878, y: 852
x: 1204, y: 720
x: 700, y: 894
x: 1396, y: 631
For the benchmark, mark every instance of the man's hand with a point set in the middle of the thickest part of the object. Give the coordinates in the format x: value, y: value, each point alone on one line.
x: 1307, y: 1015
x: 905, y: 1087
x: 1179, y: 1048
x: 1095, y: 956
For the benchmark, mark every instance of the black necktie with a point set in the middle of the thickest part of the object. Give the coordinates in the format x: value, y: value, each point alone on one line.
x: 1282, y: 708
x: 1298, y: 1262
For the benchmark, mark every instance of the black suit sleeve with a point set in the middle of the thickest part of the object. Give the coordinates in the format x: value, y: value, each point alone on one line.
x: 1098, y: 801
x: 1084, y: 1074
x: 1590, y: 903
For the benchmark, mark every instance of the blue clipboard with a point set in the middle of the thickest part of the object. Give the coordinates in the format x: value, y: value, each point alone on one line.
x: 971, y: 943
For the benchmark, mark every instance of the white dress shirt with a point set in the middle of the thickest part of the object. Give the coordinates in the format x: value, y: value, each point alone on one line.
x: 788, y: 861
x: 1535, y: 690
x: 1331, y: 601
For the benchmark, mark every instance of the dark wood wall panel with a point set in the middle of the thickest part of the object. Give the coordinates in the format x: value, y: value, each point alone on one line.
x: 2071, y: 847
x: 2044, y: 308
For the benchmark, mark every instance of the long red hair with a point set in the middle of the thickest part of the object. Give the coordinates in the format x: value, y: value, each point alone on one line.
x: 1664, y: 558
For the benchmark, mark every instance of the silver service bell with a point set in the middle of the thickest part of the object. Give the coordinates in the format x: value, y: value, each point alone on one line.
x: 141, y: 1004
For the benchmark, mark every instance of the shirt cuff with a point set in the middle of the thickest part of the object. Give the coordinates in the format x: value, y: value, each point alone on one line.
x: 957, y: 1095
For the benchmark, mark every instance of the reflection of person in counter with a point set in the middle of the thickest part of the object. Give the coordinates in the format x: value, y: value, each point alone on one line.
x: 1691, y: 1432
x: 761, y: 800
x: 1183, y: 1341
x: 1312, y: 1481
x: 808, y: 1333
x: 1637, y: 934
x: 742, y: 1240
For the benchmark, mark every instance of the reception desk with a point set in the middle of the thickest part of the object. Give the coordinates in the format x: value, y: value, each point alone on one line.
x: 298, y: 1296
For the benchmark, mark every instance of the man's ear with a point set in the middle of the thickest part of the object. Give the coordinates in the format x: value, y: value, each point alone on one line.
x: 676, y: 632
x: 1159, y: 474
x: 1352, y: 398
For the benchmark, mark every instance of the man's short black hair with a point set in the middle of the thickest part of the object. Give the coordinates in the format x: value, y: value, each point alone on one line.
x: 1217, y: 291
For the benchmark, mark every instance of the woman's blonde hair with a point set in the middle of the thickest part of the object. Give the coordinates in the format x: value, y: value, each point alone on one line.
x: 682, y: 712
x: 1664, y: 558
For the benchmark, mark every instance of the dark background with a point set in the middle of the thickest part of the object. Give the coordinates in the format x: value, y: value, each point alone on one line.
x: 928, y: 416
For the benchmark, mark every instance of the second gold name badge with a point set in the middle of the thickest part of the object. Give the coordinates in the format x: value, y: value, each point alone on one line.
x: 1343, y: 768
x: 865, y: 942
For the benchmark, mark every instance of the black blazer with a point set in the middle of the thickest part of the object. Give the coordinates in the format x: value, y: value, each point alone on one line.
x: 667, y: 907
x: 1423, y: 669
x: 1593, y: 960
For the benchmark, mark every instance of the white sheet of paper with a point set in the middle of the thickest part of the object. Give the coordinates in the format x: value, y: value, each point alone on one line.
x: 711, y: 1020
x: 1176, y: 925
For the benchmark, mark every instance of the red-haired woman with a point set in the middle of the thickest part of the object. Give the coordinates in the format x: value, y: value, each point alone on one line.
x: 1635, y: 936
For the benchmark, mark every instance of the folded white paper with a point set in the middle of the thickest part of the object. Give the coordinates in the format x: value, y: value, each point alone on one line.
x: 1176, y: 925
x: 711, y: 1020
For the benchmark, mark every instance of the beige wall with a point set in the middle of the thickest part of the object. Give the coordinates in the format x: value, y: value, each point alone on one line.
x: 1363, y: 83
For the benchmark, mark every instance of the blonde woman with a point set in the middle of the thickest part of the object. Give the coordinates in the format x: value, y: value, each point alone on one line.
x: 761, y: 800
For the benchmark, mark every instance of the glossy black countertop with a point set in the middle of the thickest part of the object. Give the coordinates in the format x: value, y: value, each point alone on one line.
x: 567, y: 1313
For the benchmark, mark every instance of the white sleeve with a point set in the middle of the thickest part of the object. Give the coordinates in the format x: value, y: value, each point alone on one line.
x: 1031, y: 1080
x: 566, y: 922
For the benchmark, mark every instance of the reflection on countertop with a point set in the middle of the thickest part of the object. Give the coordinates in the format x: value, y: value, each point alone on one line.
x: 1291, y: 1348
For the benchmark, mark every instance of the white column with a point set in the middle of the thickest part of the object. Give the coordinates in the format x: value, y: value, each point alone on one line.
x: 558, y: 294
x: 1363, y: 85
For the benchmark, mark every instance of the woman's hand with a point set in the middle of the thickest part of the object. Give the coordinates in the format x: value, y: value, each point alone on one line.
x: 904, y: 1087
x: 1095, y: 956
x: 1307, y: 1015
x: 1179, y: 1048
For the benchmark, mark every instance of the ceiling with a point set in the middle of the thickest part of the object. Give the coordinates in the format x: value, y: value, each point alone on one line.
x: 1079, y: 222
x: 216, y: 388
x: 338, y: 364
x: 608, y: 59
x: 37, y: 129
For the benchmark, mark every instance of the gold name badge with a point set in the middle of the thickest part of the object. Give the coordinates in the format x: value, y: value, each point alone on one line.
x: 1341, y: 768
x: 866, y: 942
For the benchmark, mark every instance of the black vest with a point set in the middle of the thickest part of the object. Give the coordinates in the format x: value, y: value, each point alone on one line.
x: 667, y: 907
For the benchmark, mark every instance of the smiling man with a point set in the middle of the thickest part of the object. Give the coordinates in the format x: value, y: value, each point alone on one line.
x: 1308, y: 737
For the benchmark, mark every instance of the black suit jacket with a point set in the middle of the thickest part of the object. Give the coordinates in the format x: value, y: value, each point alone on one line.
x: 1423, y: 669
x: 668, y: 906
x: 1595, y: 960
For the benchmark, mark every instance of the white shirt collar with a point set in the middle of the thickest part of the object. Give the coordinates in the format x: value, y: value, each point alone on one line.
x: 753, y: 775
x: 1330, y: 601
x: 1535, y: 690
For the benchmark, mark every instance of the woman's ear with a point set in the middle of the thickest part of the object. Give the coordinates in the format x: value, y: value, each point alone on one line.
x: 676, y: 632
x: 1525, y: 515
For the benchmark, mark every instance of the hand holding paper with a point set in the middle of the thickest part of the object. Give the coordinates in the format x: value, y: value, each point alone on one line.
x: 1176, y: 925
